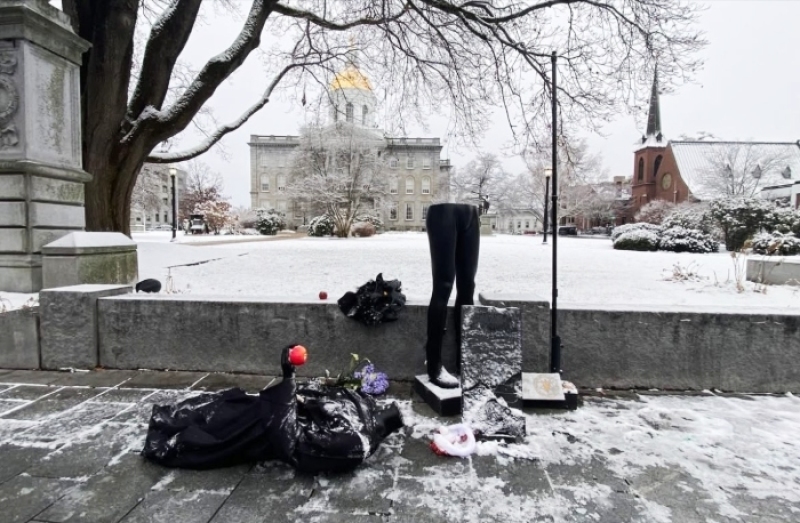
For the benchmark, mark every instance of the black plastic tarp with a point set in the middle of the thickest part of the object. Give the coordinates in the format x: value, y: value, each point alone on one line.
x: 313, y: 429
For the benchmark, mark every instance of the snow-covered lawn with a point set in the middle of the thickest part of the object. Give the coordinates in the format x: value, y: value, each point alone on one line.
x: 180, y: 237
x: 10, y: 301
x: 590, y: 271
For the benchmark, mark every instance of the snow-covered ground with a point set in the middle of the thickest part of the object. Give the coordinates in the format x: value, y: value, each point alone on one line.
x: 714, y: 449
x: 10, y: 301
x: 590, y: 271
x: 653, y: 459
x: 180, y: 237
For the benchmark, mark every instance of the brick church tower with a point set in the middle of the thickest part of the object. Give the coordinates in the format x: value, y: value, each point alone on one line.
x: 648, y: 156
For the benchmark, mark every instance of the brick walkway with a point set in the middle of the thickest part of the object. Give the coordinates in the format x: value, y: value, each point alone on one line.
x: 69, y: 447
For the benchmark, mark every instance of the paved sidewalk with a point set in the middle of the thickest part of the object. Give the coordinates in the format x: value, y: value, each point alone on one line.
x: 69, y: 447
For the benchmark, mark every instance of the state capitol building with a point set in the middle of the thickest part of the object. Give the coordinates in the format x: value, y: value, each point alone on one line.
x: 419, y: 175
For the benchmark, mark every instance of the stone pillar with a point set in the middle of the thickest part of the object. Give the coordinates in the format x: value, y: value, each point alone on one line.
x: 41, y: 175
x: 89, y: 258
x: 69, y: 324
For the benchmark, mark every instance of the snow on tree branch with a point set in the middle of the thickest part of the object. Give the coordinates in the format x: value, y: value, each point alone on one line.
x: 217, y: 135
x: 177, y: 117
x: 168, y: 37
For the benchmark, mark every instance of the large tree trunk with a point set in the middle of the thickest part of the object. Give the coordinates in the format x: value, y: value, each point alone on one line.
x: 118, y: 138
x: 105, y: 77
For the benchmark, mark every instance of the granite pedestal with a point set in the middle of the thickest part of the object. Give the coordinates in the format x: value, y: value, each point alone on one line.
x: 41, y: 176
x: 491, y: 370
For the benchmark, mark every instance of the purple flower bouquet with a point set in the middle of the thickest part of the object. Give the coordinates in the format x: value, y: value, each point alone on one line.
x: 373, y: 382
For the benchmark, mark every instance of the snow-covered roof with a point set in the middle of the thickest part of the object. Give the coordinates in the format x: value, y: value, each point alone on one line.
x: 651, y: 140
x: 768, y: 163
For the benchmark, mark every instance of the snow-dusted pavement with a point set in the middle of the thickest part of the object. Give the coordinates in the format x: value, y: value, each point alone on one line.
x: 590, y: 271
x: 69, y: 442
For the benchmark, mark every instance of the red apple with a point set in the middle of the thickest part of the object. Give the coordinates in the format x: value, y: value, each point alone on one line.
x: 323, y: 295
x: 298, y: 355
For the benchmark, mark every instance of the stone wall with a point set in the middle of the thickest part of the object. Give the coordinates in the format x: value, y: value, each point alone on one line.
x: 682, y: 349
x: 246, y: 335
x: 774, y: 270
x: 732, y: 349
x: 729, y: 349
x: 19, y: 339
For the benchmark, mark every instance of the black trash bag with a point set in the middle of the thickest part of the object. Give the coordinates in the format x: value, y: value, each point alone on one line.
x: 314, y: 430
x: 338, y: 428
x: 377, y: 301
x: 149, y: 285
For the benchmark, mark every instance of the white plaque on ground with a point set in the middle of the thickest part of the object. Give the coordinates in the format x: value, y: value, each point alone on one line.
x: 541, y: 386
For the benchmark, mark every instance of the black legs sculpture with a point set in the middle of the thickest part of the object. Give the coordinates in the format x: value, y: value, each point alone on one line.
x: 454, y: 236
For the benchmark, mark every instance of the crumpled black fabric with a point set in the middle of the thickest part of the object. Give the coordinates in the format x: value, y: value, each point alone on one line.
x: 375, y: 302
x: 314, y: 429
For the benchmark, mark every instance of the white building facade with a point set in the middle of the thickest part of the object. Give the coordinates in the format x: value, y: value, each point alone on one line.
x: 151, y: 202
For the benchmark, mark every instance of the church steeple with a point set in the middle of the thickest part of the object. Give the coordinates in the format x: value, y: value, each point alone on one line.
x: 654, y: 113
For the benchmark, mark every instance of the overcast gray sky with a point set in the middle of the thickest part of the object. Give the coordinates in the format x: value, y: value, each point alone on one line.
x: 749, y: 88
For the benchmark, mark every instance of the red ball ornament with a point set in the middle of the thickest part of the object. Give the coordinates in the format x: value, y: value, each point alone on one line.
x: 323, y: 295
x: 298, y: 355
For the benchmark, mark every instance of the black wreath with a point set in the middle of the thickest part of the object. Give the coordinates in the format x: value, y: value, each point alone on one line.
x: 377, y: 301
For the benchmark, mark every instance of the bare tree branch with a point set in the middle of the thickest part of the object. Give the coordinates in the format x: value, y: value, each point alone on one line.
x: 168, y: 37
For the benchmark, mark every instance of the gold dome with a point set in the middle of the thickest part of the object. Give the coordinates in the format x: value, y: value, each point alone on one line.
x: 351, y: 78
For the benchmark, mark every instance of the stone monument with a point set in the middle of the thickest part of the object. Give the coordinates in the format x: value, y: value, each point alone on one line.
x: 41, y: 175
x: 491, y: 371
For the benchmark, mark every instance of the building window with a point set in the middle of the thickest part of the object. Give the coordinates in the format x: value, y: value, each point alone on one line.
x: 349, y: 112
x: 527, y: 224
x: 787, y: 173
x: 409, y: 185
x: 138, y: 218
x: 656, y: 165
x: 640, y: 176
x: 426, y: 185
x: 281, y: 160
x: 393, y: 187
x: 409, y: 211
x: 519, y: 224
x: 392, y: 163
x: 426, y: 162
x: 166, y: 219
x: 281, y: 183
x: 425, y: 212
x: 298, y: 210
x: 393, y: 212
x: 282, y: 207
x: 410, y: 162
x: 364, y: 113
x: 158, y: 218
x: 164, y: 189
x: 265, y: 184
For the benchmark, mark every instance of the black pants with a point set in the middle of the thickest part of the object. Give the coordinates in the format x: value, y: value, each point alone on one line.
x: 454, y: 236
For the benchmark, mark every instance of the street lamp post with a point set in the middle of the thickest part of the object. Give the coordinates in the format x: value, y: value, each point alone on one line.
x: 172, y: 172
x: 555, y: 339
x: 547, y: 172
